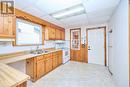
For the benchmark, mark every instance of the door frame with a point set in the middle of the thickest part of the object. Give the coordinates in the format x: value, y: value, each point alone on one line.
x: 94, y: 28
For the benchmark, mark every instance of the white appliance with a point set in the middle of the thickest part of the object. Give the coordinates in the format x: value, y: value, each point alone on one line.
x: 66, y: 55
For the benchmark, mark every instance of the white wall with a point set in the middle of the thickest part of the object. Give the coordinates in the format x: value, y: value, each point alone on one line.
x: 118, y: 54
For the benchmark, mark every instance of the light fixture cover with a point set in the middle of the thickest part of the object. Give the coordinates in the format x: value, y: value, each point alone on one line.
x: 72, y: 11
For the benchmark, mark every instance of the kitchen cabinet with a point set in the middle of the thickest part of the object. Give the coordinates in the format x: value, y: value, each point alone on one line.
x: 59, y: 57
x: 55, y: 60
x: 31, y: 68
x: 62, y: 35
x: 52, y: 33
x: 7, y: 26
x: 49, y: 33
x: 22, y: 85
x: 35, y: 67
x: 58, y: 34
x: 38, y: 66
x: 48, y: 62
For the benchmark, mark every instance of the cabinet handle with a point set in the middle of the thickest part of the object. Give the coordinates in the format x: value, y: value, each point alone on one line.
x: 27, y: 62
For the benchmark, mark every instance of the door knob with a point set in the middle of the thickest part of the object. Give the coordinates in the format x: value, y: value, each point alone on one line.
x: 89, y: 48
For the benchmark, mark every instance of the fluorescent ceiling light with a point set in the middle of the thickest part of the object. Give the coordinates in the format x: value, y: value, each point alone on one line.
x: 73, y: 11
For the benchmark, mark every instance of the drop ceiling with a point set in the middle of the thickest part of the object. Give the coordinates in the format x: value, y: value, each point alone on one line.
x: 96, y: 11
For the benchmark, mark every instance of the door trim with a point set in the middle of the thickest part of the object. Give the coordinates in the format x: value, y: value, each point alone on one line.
x: 93, y: 28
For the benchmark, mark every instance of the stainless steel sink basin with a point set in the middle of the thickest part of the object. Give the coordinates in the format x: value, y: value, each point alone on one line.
x: 39, y: 51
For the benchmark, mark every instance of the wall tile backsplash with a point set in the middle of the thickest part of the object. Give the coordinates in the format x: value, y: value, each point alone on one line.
x: 7, y: 47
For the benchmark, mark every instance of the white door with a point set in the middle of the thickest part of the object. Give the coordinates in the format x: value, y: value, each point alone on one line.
x: 96, y: 46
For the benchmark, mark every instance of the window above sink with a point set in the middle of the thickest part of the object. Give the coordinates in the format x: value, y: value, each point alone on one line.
x: 28, y: 33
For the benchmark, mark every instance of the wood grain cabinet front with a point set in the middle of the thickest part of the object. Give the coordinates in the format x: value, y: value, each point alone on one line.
x: 40, y: 68
x: 7, y: 26
x: 59, y: 56
x: 52, y: 33
x: 48, y: 62
x: 35, y: 67
x: 41, y: 65
x: 55, y: 60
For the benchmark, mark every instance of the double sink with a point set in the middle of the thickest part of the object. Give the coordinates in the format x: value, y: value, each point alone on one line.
x: 39, y: 51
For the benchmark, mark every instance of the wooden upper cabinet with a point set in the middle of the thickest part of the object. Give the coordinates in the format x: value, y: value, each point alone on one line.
x: 49, y: 33
x: 1, y: 24
x: 54, y: 33
x: 7, y: 26
x: 58, y: 34
x: 43, y: 34
x: 63, y: 35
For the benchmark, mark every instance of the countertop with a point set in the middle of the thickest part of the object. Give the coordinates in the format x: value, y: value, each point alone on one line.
x: 23, y: 57
x: 10, y: 77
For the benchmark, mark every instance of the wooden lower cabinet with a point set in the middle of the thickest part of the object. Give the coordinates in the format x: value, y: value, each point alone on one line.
x: 22, y: 85
x: 48, y: 65
x: 55, y: 60
x: 59, y: 57
x: 37, y: 67
x: 40, y: 68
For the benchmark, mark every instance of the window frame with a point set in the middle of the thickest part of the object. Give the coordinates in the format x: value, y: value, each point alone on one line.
x: 32, y: 23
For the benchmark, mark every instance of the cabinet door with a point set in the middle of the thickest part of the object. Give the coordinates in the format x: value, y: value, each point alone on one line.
x: 6, y: 24
x: 55, y: 62
x: 40, y: 68
x: 58, y: 34
x: 1, y: 25
x: 63, y: 35
x: 8, y: 28
x: 48, y: 64
x: 60, y: 57
x: 51, y: 34
x: 56, y: 37
x: 31, y: 68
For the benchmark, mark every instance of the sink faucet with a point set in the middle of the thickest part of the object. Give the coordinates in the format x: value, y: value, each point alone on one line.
x: 37, y: 48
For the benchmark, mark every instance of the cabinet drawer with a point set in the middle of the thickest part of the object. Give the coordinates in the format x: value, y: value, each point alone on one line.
x: 48, y: 55
x: 40, y: 58
x: 59, y: 52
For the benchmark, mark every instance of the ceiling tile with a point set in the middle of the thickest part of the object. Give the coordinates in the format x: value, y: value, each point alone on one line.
x: 51, y: 6
x: 21, y: 4
x: 52, y: 20
x: 34, y: 11
x: 98, y: 20
x: 76, y: 20
x: 95, y: 5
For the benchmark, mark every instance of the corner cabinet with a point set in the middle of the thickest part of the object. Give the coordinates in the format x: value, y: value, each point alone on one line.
x: 35, y: 67
x: 7, y: 26
x: 39, y: 66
